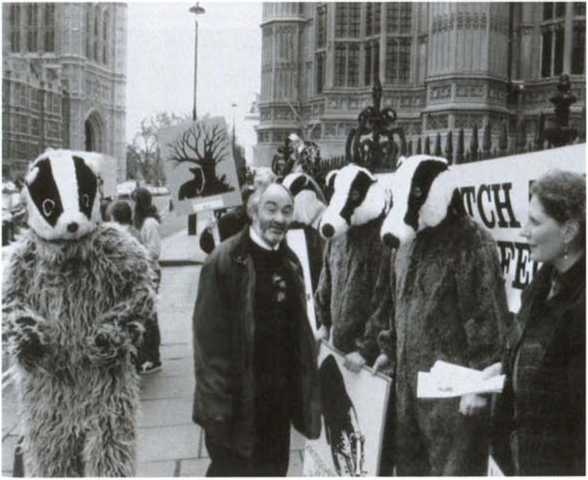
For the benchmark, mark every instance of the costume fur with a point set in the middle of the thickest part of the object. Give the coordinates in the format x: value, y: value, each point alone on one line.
x: 354, y: 260
x: 447, y: 302
x: 74, y: 305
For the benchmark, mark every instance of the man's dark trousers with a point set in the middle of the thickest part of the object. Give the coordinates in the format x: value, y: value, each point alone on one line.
x: 270, y: 455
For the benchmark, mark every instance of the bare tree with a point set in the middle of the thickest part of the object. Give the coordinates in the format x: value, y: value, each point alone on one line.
x: 146, y: 145
x: 204, y: 146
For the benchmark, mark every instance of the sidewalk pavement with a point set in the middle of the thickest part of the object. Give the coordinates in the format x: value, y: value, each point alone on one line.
x: 169, y: 444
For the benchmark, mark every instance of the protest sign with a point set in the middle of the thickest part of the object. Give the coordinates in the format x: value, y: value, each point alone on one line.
x: 353, y: 419
x: 297, y: 242
x: 496, y: 194
x: 199, y: 166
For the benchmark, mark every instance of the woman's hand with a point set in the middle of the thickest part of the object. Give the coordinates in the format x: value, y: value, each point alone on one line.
x: 492, y: 371
x: 381, y: 363
x: 472, y: 404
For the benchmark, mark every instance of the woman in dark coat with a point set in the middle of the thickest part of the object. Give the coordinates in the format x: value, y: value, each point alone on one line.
x: 540, y: 417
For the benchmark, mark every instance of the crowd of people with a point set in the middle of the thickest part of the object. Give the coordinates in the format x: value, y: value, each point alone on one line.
x: 253, y: 352
x: 397, y: 286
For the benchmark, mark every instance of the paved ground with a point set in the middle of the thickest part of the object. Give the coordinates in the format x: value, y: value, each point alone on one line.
x: 169, y: 443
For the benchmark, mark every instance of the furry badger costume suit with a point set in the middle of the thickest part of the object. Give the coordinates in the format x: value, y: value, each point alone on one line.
x: 354, y: 260
x: 447, y: 302
x: 75, y: 296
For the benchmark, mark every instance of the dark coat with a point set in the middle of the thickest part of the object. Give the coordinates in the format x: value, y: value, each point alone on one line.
x: 224, y: 339
x: 550, y: 418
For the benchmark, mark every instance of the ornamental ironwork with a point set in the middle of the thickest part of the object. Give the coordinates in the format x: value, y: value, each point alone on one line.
x: 371, y: 144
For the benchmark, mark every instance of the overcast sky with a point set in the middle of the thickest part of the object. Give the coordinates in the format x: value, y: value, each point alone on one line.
x: 160, y: 62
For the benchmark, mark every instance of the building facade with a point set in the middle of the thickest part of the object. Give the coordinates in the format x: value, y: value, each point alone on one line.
x: 443, y: 66
x: 64, y: 80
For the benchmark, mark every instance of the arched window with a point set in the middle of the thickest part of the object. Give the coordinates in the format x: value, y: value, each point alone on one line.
x: 105, y: 42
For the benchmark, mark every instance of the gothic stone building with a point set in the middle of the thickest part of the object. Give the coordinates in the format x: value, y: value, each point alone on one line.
x: 64, y: 80
x: 443, y: 67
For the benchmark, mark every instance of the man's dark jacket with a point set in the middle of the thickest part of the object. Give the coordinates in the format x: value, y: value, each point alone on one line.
x: 224, y: 339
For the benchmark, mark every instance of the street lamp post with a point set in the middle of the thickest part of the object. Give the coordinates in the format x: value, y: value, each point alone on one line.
x: 196, y: 10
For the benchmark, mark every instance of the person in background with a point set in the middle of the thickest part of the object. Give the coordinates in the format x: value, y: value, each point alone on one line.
x: 254, y: 351
x: 146, y: 221
x: 122, y: 213
x: 229, y: 224
x: 540, y: 417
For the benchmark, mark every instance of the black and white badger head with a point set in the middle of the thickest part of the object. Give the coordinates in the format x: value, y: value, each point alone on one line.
x: 62, y: 195
x: 357, y: 199
x: 424, y: 194
x: 309, y: 201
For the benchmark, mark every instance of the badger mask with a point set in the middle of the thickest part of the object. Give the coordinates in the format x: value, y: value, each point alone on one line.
x: 357, y: 199
x: 309, y: 201
x: 424, y: 194
x: 62, y: 196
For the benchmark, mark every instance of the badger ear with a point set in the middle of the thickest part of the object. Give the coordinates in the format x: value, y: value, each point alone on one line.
x: 31, y: 175
x: 330, y: 178
x: 92, y: 165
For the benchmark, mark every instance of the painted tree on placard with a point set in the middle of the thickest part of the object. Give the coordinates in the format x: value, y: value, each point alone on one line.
x: 205, y: 146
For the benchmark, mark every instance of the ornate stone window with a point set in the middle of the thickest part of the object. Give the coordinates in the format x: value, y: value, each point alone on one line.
x: 553, y: 39
x: 32, y: 21
x: 14, y: 22
x: 373, y: 14
x: 96, y: 34
x: 398, y: 17
x: 398, y: 42
x: 346, y: 64
x: 397, y: 59
x: 319, y: 71
x: 347, y: 18
x: 49, y: 27
x: 579, y: 39
x: 321, y: 26
x: 105, y: 36
x: 372, y: 61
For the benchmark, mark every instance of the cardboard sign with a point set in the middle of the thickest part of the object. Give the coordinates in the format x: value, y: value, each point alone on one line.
x: 297, y: 242
x: 354, y: 416
x: 199, y: 166
x: 496, y: 194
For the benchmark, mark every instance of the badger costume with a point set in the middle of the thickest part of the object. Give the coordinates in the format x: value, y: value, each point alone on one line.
x: 75, y: 296
x: 354, y: 260
x: 309, y: 204
x: 447, y: 300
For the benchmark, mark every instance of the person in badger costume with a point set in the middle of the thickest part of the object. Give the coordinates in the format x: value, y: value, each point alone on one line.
x: 446, y: 300
x: 76, y: 294
x: 354, y: 260
x: 309, y: 204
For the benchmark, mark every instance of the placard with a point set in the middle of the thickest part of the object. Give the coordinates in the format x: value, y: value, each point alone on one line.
x: 199, y: 166
x: 353, y: 419
x: 297, y: 242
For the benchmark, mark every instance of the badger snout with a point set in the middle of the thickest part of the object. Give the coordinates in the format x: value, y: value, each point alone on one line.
x: 72, y: 227
x: 391, y: 240
x: 327, y: 230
